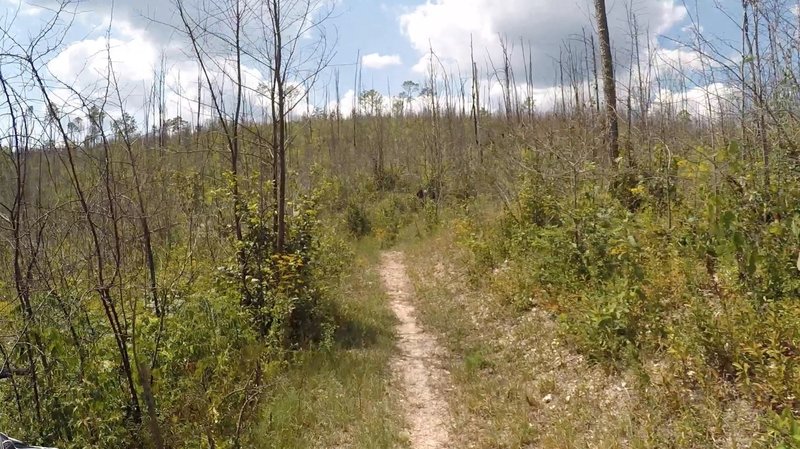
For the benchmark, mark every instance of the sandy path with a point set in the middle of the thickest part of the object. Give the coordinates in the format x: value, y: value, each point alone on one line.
x: 416, y: 369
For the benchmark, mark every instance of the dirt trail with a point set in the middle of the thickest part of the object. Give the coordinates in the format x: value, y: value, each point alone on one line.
x: 416, y: 369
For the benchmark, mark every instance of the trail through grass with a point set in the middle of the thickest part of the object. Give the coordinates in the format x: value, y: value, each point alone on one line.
x: 417, y: 367
x: 341, y: 397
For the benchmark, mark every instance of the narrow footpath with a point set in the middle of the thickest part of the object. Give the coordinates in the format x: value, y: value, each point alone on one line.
x: 417, y: 368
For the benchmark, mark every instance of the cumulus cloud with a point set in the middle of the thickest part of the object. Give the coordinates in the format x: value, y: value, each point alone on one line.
x: 132, y: 55
x: 346, y: 104
x: 379, y: 61
x: 81, y: 73
x: 543, y: 31
x: 546, y: 26
x: 139, y: 13
x: 680, y: 59
x: 699, y: 101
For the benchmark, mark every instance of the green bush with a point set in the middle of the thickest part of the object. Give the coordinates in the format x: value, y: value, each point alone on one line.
x: 783, y: 431
x: 281, y: 290
x: 692, y: 264
x: 393, y: 212
x: 358, y: 223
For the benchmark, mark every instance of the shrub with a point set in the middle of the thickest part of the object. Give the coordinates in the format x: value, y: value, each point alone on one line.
x: 393, y: 212
x: 281, y: 291
x: 358, y: 223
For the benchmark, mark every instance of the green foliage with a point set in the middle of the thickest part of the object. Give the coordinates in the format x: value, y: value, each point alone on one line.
x: 625, y: 188
x: 210, y: 364
x: 430, y: 211
x: 386, y: 180
x: 338, y: 395
x: 538, y: 205
x: 691, y: 264
x: 477, y: 360
x: 280, y: 290
x: 393, y: 212
x: 358, y: 223
x: 482, y: 255
x: 218, y: 342
x: 783, y: 432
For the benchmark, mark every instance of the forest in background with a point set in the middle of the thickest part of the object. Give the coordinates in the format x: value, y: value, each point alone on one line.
x: 160, y: 273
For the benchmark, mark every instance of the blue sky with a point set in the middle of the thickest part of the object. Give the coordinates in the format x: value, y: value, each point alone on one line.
x: 396, y: 32
x: 370, y: 27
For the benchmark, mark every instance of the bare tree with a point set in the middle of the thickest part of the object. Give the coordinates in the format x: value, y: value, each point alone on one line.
x: 609, y: 81
x: 294, y: 64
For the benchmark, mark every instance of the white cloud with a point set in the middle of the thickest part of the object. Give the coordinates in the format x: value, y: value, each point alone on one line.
x: 83, y: 66
x: 699, y: 101
x: 132, y: 55
x: 547, y: 26
x: 25, y: 8
x: 680, y: 59
x: 379, y: 61
x: 346, y: 103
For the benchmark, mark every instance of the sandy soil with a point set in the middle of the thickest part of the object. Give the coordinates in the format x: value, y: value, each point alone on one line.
x: 417, y: 369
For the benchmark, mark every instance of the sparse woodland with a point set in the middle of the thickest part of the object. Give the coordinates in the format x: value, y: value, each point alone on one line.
x: 160, y: 276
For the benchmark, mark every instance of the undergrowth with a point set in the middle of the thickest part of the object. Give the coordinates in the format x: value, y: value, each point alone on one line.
x: 694, y: 270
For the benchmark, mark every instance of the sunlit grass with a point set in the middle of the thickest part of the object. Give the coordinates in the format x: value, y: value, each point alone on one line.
x: 340, y: 397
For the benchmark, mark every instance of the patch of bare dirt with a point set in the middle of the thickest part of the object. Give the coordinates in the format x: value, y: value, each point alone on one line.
x: 418, y: 368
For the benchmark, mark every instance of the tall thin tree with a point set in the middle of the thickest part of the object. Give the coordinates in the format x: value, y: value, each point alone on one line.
x: 609, y: 82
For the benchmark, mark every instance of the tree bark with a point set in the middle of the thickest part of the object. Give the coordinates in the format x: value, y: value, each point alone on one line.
x: 609, y: 82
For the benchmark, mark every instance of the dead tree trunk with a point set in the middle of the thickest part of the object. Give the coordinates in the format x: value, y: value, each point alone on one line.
x: 609, y: 82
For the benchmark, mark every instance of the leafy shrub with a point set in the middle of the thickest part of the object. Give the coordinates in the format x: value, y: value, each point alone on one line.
x: 358, y: 223
x: 393, y: 212
x: 783, y: 432
x: 279, y: 289
x: 430, y: 212
x: 538, y: 204
x: 207, y: 368
x: 386, y: 180
x: 692, y: 264
x: 625, y: 187
x: 482, y: 255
